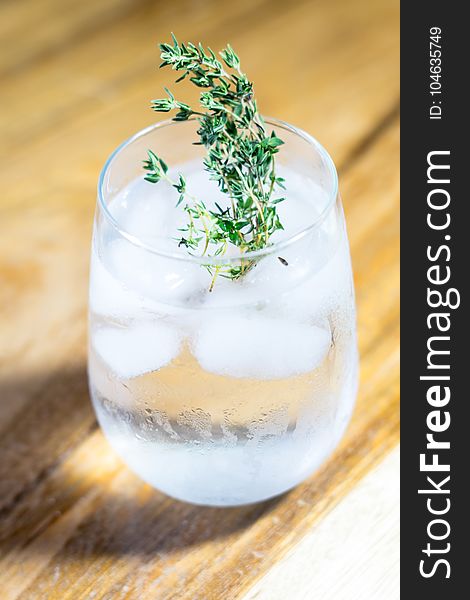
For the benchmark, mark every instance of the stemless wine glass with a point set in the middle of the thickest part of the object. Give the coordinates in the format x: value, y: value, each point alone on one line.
x: 234, y: 395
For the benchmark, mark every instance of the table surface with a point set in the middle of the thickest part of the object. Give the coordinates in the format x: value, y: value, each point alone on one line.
x: 75, y: 80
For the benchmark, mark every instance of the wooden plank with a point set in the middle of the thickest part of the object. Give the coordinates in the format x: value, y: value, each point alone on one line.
x: 352, y: 554
x: 110, y: 93
x: 32, y: 30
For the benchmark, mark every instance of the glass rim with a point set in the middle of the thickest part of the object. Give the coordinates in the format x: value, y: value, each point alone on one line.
x: 217, y: 260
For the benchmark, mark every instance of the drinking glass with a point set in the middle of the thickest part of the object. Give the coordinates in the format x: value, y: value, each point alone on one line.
x: 234, y: 395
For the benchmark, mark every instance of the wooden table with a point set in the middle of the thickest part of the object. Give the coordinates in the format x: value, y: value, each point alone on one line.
x: 75, y: 80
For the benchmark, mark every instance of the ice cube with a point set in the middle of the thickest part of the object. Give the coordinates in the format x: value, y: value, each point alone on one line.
x: 258, y: 347
x: 304, y: 202
x: 321, y: 292
x: 147, y: 211
x: 154, y: 277
x: 265, y: 282
x: 136, y: 350
x: 108, y: 296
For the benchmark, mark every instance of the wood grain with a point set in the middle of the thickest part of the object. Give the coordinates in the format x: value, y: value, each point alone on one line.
x: 364, y: 525
x: 75, y: 79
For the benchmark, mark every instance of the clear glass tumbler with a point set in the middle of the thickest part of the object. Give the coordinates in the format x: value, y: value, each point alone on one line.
x: 234, y: 395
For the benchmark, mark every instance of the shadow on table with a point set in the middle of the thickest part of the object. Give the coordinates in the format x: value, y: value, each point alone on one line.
x: 52, y: 502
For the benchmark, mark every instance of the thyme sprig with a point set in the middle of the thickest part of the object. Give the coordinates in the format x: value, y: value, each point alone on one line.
x: 240, y: 157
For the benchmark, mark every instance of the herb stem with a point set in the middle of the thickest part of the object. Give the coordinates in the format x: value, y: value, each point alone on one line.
x: 197, y: 209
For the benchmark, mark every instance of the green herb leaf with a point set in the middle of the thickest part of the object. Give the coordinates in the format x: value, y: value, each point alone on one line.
x: 240, y: 157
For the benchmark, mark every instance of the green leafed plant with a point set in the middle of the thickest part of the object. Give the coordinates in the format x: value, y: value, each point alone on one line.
x: 240, y: 158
